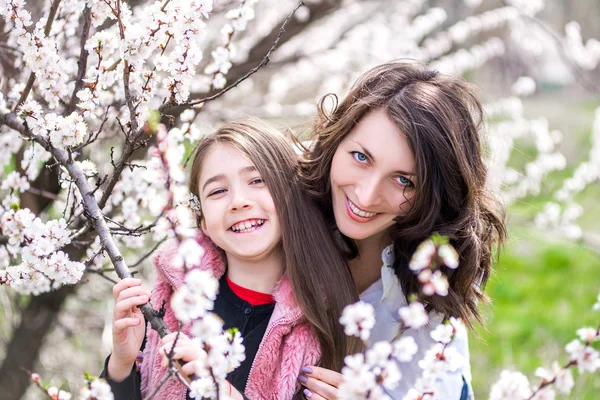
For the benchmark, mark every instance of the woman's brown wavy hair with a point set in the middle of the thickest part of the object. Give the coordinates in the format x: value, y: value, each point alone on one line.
x: 442, y: 120
x: 318, y: 272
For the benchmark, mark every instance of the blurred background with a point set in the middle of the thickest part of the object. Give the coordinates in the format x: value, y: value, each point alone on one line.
x: 538, y: 75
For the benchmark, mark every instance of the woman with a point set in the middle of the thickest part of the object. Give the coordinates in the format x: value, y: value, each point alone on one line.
x: 397, y: 160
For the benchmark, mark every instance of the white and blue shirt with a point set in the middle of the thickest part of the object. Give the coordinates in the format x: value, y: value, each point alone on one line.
x: 386, y: 297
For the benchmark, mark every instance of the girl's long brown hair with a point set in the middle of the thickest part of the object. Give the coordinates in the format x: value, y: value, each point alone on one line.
x: 442, y: 120
x: 317, y: 270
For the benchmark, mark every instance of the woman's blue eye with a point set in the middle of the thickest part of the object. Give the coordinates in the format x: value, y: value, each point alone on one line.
x: 358, y: 156
x: 404, y: 181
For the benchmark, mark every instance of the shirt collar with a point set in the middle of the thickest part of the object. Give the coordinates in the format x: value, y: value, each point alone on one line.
x: 388, y: 278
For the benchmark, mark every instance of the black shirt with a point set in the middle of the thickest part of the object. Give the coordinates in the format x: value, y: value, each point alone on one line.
x: 235, y: 312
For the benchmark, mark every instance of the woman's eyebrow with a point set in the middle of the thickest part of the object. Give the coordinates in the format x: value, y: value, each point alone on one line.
x: 368, y: 154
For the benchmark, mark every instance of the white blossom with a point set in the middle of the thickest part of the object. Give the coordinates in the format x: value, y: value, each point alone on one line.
x: 358, y: 319
x: 414, y: 315
x: 524, y: 86
x: 196, y: 297
x: 587, y: 358
x: 404, y: 349
x: 14, y: 181
x: 512, y: 385
x: 443, y: 333
x: 423, y: 255
x: 563, y: 378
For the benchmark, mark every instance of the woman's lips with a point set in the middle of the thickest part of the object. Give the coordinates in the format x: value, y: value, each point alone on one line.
x: 352, y: 210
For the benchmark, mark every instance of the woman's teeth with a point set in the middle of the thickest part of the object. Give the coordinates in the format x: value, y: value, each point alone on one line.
x: 359, y: 212
x: 247, y: 226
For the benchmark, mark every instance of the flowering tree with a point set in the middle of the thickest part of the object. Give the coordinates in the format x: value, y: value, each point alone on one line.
x: 88, y: 170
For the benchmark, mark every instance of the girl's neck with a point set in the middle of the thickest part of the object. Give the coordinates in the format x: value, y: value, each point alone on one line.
x: 260, y: 275
x: 366, y: 268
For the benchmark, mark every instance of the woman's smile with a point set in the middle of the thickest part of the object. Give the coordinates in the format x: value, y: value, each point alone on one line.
x: 357, y: 213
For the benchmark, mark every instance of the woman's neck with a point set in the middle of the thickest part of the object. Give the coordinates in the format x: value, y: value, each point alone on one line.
x: 366, y: 268
x: 260, y: 275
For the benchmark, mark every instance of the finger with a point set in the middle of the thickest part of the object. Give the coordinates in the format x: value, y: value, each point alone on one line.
x: 123, y: 307
x: 328, y: 376
x: 319, y: 387
x: 190, y: 368
x: 313, y: 396
x: 185, y: 353
x: 181, y: 338
x: 132, y: 292
x: 124, y: 284
x: 124, y: 323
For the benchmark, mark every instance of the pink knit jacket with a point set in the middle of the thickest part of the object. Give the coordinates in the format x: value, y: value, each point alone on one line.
x: 289, y: 342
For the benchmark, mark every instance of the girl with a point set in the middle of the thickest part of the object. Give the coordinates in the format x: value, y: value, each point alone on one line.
x: 397, y: 160
x: 283, y: 283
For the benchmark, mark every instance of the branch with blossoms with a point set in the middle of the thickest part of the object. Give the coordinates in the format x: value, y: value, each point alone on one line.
x: 147, y: 58
x: 94, y: 389
x: 374, y: 374
x: 515, y: 386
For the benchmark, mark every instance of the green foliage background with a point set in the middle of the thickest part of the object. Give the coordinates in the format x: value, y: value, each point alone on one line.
x: 543, y: 287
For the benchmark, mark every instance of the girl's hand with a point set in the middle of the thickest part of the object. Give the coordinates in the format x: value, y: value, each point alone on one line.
x: 128, y: 327
x: 321, y: 383
x: 184, y: 350
x: 192, y: 367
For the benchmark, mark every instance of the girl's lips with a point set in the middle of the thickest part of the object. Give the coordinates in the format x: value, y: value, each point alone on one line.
x: 355, y: 217
x: 255, y: 227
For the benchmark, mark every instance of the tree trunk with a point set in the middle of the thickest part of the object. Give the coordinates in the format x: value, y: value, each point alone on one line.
x: 22, y: 351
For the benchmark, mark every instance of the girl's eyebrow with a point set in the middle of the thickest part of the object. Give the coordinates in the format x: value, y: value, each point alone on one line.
x: 368, y: 154
x: 216, y: 178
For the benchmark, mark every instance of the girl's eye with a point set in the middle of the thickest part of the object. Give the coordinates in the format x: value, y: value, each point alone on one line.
x: 360, y: 157
x: 404, y: 181
x: 216, y: 192
x: 257, y: 181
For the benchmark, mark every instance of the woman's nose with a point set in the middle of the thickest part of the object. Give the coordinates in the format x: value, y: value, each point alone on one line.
x: 368, y: 194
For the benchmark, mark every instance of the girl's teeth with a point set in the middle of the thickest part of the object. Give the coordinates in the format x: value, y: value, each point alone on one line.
x: 247, y: 226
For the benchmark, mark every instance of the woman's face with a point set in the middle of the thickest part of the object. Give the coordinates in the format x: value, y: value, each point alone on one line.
x: 372, y: 177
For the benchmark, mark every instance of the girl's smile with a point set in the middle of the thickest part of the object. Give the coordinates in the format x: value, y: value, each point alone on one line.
x: 248, y: 225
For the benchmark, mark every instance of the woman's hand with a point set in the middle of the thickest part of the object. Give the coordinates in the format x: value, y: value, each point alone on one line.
x: 128, y: 327
x: 320, y: 383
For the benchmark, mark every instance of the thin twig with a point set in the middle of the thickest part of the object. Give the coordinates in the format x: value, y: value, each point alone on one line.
x: 145, y: 256
x: 43, y: 193
x: 83, y: 55
x: 262, y: 63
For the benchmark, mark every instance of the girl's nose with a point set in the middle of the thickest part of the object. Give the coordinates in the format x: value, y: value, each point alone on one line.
x: 239, y: 201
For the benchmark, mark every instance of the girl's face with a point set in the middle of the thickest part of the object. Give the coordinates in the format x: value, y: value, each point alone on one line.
x: 372, y: 177
x: 238, y: 212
